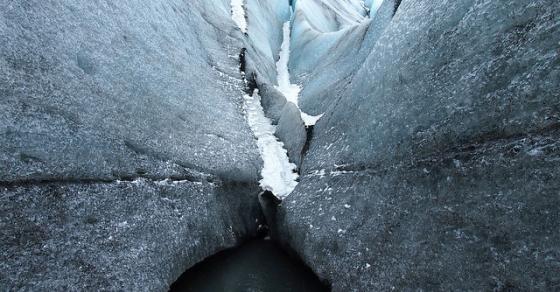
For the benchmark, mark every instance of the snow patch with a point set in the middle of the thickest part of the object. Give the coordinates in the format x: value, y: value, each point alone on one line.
x: 285, y: 86
x: 238, y: 14
x: 278, y: 175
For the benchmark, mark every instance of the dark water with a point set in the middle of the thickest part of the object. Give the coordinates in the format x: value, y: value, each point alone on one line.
x: 259, y: 265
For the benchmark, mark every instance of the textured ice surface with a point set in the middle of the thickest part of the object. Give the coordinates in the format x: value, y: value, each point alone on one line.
x: 125, y: 156
x: 132, y: 96
x: 324, y: 63
x: 285, y: 86
x: 321, y: 32
x: 434, y: 137
x: 264, y: 38
x: 329, y: 15
x: 373, y: 5
x: 120, y: 236
x: 278, y: 174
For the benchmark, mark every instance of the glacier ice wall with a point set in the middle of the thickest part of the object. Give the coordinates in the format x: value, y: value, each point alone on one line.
x: 125, y: 156
x: 435, y: 166
x: 315, y: 55
x: 317, y: 26
x: 265, y: 20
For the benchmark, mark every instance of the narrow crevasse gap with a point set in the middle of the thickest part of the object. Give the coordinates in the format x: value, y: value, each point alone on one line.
x: 278, y: 174
x: 262, y: 263
x: 285, y: 86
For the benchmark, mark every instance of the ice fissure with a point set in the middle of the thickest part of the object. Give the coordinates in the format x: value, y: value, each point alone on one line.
x: 428, y: 169
x: 279, y: 175
x: 283, y: 160
x: 285, y: 86
x: 392, y: 145
x: 279, y: 172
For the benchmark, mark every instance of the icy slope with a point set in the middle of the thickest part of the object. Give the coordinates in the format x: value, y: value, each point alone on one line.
x: 264, y: 37
x: 238, y: 14
x: 329, y: 15
x: 319, y: 28
x: 125, y: 156
x: 334, y: 70
x: 436, y: 164
x: 285, y: 86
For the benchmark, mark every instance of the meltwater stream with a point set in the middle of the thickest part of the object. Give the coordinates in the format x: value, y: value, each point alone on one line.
x: 258, y: 265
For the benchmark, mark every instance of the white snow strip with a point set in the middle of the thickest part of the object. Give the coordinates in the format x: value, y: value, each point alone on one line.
x: 238, y: 14
x: 322, y: 173
x: 288, y: 89
x: 278, y: 174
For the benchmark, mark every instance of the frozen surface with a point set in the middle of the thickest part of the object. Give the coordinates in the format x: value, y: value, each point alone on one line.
x: 434, y: 137
x: 330, y: 15
x: 285, y: 86
x: 134, y: 96
x: 125, y: 156
x: 322, y: 31
x: 278, y: 174
x: 290, y: 90
x: 238, y: 14
x: 324, y: 63
x: 264, y: 38
x: 122, y: 236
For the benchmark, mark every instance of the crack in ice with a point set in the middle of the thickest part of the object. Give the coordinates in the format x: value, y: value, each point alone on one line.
x: 285, y: 86
x: 278, y: 174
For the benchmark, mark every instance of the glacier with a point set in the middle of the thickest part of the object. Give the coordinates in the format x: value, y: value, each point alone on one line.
x: 125, y: 154
x: 432, y: 113
x: 390, y: 145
